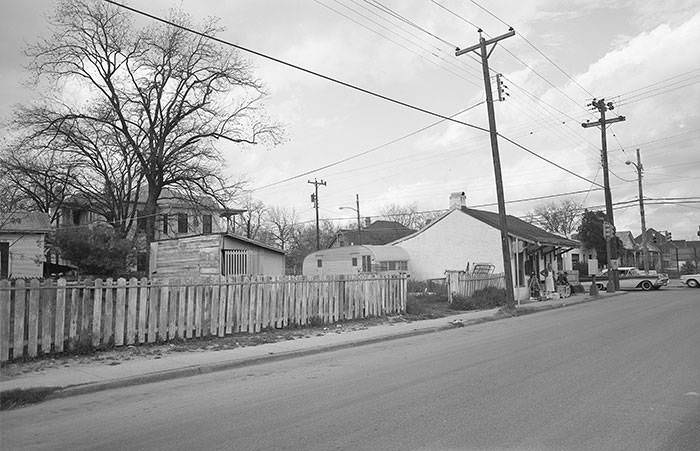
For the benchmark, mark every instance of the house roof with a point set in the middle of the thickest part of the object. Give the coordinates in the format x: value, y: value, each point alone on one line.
x: 516, y: 227
x: 233, y: 236
x: 377, y: 233
x: 627, y: 239
x: 253, y: 242
x: 25, y: 222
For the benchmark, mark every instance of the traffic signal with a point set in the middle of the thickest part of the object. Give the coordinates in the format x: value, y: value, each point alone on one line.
x: 608, y: 230
x: 669, y: 237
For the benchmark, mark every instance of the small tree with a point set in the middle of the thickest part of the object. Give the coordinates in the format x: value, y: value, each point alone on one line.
x: 590, y: 233
x: 282, y: 225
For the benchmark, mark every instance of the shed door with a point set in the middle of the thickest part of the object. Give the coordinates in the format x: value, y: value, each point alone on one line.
x: 4, y: 260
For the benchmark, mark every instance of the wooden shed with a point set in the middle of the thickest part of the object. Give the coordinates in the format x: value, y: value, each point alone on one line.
x: 22, y: 242
x: 356, y: 259
x: 219, y: 254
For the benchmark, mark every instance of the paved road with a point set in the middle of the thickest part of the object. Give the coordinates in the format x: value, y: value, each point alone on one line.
x: 622, y: 373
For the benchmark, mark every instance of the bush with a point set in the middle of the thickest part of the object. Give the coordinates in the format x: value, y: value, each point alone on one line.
x: 96, y: 250
x: 485, y: 298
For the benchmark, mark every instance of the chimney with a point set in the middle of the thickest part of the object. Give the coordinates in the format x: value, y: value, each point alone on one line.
x: 458, y: 200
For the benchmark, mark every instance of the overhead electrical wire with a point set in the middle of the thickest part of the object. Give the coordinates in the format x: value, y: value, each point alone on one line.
x: 334, y: 80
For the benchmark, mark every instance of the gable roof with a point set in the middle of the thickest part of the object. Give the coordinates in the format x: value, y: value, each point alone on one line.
x: 253, y: 242
x: 516, y: 227
x: 25, y: 222
x: 377, y: 233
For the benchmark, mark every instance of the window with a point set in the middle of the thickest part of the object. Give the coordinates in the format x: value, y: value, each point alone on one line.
x: 354, y: 261
x: 140, y: 221
x: 319, y: 263
x: 392, y: 266
x: 142, y: 262
x: 76, y: 217
x: 4, y: 261
x: 165, y: 223
x: 182, y: 223
x: 206, y: 224
x: 574, y: 260
x: 403, y: 266
x: 234, y: 262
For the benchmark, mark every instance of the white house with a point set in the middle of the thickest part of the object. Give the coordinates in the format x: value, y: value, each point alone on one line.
x: 356, y: 259
x: 465, y: 236
x: 22, y: 238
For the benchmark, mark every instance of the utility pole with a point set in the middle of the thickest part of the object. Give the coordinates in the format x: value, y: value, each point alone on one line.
x: 602, y: 107
x: 314, y: 200
x: 645, y: 247
x: 502, y: 222
x: 359, y: 228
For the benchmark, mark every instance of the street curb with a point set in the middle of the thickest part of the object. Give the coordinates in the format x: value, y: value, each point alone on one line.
x: 534, y: 308
x: 194, y: 370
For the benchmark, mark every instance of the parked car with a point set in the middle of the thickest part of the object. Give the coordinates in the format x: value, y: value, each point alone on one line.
x: 631, y: 278
x: 692, y: 280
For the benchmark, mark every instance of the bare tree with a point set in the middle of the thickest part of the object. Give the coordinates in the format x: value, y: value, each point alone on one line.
x: 158, y: 97
x: 562, y: 218
x: 37, y: 180
x: 408, y: 215
x: 251, y: 220
x: 282, y: 225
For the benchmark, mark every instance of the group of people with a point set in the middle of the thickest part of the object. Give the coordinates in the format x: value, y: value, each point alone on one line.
x: 549, y: 276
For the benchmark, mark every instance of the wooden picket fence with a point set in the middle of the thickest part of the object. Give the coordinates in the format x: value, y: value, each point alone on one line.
x: 464, y: 284
x: 38, y: 318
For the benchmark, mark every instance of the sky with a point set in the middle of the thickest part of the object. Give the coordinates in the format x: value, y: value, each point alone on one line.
x: 641, y: 55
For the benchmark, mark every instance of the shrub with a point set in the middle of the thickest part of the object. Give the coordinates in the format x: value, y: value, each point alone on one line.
x: 96, y: 250
x: 485, y: 298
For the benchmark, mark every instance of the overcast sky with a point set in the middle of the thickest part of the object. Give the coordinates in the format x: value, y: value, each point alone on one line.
x: 609, y: 48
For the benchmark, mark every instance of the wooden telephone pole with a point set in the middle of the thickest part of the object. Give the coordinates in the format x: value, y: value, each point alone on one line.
x: 314, y: 200
x: 602, y: 107
x: 502, y: 222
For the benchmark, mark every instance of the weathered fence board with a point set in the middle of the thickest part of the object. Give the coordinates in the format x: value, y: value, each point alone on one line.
x: 464, y: 284
x: 42, y: 318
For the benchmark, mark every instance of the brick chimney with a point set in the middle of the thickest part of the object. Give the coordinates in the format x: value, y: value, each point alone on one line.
x: 458, y: 200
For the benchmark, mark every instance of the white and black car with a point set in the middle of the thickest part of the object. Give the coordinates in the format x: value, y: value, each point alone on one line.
x: 631, y: 278
x: 692, y: 280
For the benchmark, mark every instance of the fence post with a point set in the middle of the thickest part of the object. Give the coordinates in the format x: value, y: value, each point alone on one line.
x: 4, y: 320
x: 97, y: 313
x: 20, y: 304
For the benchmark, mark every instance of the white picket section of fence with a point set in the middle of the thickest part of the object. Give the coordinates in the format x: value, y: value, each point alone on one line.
x: 58, y: 316
x: 464, y: 284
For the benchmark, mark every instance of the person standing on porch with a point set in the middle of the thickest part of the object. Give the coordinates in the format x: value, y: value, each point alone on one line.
x: 548, y: 280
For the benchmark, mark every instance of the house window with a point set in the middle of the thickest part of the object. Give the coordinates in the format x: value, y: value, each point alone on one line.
x: 182, y: 223
x: 140, y: 221
x: 164, y: 217
x: 4, y: 261
x: 319, y: 263
x: 574, y: 260
x: 76, y: 217
x: 354, y: 261
x: 206, y: 224
x: 142, y: 262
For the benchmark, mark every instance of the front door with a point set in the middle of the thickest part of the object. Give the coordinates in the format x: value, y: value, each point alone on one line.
x: 4, y: 260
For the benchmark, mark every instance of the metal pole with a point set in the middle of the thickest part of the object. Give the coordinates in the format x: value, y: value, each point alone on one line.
x: 359, y: 229
x: 645, y: 247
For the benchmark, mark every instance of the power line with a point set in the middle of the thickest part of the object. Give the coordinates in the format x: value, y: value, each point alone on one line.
x: 331, y: 79
x: 295, y: 66
x: 359, y: 154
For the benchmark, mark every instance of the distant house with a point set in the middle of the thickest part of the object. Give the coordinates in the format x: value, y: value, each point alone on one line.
x: 218, y: 254
x: 22, y: 240
x: 465, y: 236
x: 176, y: 215
x: 632, y: 253
x: 356, y: 259
x: 677, y: 252
x: 376, y: 233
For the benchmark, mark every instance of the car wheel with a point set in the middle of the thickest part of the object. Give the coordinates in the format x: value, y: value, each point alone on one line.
x: 692, y: 283
x: 646, y: 285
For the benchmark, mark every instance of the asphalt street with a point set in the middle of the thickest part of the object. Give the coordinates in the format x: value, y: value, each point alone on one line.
x: 621, y: 373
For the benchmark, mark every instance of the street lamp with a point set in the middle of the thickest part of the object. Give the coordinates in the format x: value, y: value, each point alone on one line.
x: 645, y: 250
x: 357, y: 210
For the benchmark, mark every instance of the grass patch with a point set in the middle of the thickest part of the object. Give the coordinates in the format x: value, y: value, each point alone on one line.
x: 11, y: 399
x: 426, y: 306
x: 483, y: 299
